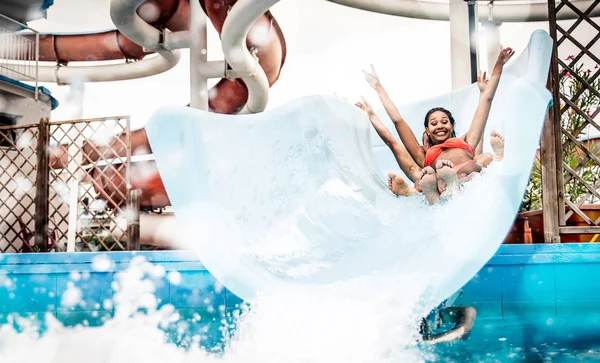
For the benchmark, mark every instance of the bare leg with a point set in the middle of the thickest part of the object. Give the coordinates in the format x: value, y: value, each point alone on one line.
x: 479, y: 147
x: 429, y: 185
x: 399, y: 186
x: 406, y: 162
x: 497, y: 142
x: 447, y: 173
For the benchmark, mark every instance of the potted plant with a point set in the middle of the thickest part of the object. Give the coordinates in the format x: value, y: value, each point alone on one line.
x: 529, y: 225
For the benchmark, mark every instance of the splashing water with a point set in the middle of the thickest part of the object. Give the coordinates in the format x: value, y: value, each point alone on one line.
x: 358, y: 321
x: 295, y: 196
x: 370, y: 318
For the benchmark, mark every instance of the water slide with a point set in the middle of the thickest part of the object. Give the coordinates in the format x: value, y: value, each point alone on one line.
x: 172, y: 18
x: 297, y: 196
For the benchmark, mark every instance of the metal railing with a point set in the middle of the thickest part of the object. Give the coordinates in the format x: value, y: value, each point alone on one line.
x: 19, y: 55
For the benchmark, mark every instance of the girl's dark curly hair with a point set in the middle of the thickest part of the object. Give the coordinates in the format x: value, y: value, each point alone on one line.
x: 450, y: 117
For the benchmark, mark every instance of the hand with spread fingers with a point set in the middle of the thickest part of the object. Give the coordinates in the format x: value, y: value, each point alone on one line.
x: 482, y: 81
x: 365, y: 106
x: 372, y: 77
x: 504, y: 55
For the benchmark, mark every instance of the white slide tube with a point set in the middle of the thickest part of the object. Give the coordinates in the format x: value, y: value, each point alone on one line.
x: 108, y: 73
x: 124, y: 15
x: 176, y: 40
x: 503, y: 10
x: 235, y: 30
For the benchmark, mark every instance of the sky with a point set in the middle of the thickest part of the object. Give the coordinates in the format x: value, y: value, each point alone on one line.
x: 328, y: 45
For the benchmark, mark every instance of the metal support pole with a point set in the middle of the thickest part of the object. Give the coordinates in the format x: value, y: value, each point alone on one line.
x: 198, y: 57
x: 459, y: 44
x: 492, y: 41
x: 42, y: 185
x: 133, y: 220
x: 473, y: 39
x: 37, y: 64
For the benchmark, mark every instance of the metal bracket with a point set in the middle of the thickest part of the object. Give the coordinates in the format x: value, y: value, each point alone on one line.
x: 254, y: 52
x: 229, y: 73
x: 160, y: 44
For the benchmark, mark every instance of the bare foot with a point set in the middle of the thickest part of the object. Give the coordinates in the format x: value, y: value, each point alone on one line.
x: 447, y: 173
x: 484, y: 159
x: 399, y: 186
x: 429, y: 185
x: 497, y: 142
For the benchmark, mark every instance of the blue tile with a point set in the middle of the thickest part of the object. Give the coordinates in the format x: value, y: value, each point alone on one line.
x: 184, y: 266
x: 577, y: 282
x: 549, y: 248
x: 163, y: 291
x: 541, y: 309
x: 486, y: 285
x: 36, y: 317
x: 488, y: 309
x: 29, y: 293
x: 487, y: 327
x: 528, y: 283
x: 95, y: 288
x: 7, y: 288
x: 232, y: 301
x: 83, y: 318
x: 577, y: 307
x: 209, y: 328
x: 197, y: 290
x: 181, y: 256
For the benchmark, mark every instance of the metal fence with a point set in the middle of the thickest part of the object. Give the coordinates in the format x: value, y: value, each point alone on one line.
x: 66, y: 186
x: 19, y: 55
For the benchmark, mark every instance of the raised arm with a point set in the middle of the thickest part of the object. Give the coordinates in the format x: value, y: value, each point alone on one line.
x: 404, y: 131
x: 487, y: 91
x: 405, y: 161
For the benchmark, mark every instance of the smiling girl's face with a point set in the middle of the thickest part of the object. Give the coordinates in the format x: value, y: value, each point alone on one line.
x: 439, y: 127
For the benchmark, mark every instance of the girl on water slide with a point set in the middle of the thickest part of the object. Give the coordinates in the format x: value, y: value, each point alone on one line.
x: 454, y: 157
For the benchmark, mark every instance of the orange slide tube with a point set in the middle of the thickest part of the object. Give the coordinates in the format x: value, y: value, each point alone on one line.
x: 231, y: 95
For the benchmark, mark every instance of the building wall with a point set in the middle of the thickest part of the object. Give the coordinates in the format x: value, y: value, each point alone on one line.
x: 27, y: 110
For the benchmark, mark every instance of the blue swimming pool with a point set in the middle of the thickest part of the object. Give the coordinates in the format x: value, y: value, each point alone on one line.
x: 534, y: 302
x: 559, y: 339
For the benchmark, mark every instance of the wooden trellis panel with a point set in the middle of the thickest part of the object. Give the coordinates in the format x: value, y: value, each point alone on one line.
x: 67, y: 181
x: 91, y: 157
x: 18, y: 187
x: 575, y: 76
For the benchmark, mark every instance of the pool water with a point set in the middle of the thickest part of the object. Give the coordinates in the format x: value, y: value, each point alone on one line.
x: 491, y: 340
x: 525, y: 340
x: 186, y: 329
x: 532, y: 306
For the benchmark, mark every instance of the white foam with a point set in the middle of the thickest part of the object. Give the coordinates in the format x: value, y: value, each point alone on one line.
x: 370, y: 319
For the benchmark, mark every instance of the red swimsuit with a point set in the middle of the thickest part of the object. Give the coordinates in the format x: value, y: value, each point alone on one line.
x: 453, y: 143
